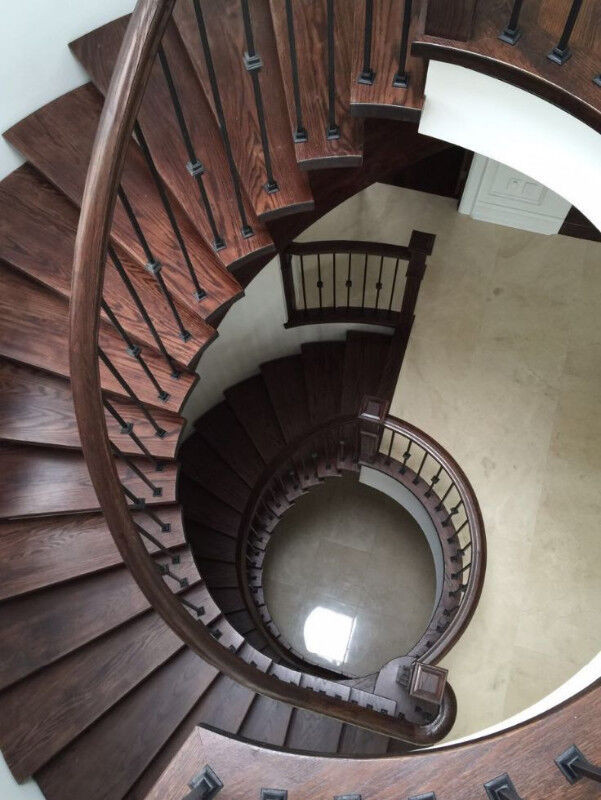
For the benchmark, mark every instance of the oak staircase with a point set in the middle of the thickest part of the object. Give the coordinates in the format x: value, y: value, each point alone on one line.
x: 250, y: 126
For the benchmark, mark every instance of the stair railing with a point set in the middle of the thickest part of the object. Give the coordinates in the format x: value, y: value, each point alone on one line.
x: 354, y: 281
x: 130, y: 76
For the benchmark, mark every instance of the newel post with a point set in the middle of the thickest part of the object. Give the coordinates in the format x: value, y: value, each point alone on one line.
x: 451, y: 19
x: 420, y: 246
x: 372, y: 415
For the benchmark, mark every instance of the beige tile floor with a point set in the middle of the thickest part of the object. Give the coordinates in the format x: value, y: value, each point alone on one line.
x: 504, y: 369
x: 349, y: 577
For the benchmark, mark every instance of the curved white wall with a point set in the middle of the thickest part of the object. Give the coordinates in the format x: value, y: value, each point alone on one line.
x: 36, y: 64
x: 509, y: 125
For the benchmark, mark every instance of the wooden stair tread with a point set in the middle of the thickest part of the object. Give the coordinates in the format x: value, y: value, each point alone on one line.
x: 58, y: 138
x: 218, y: 574
x: 98, y: 51
x: 40, y: 552
x: 34, y: 330
x: 97, y: 765
x: 38, y: 225
x: 323, y: 364
x: 252, y: 406
x: 208, y: 543
x: 310, y: 27
x: 205, y: 508
x: 225, y: 434
x: 382, y: 99
x: 44, y: 480
x: 268, y: 719
x: 42, y: 627
x: 37, y: 408
x: 285, y: 382
x: 311, y: 731
x: 203, y: 465
x: 225, y: 705
x: 364, y: 361
x: 225, y: 32
x: 45, y: 712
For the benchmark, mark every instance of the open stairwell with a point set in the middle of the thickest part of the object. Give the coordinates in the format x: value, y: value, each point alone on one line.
x: 251, y: 126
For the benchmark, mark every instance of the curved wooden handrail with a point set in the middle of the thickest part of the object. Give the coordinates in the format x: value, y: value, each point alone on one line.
x: 123, y: 98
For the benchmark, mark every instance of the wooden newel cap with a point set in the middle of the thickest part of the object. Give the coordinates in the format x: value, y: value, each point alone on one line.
x: 373, y: 409
x: 428, y: 683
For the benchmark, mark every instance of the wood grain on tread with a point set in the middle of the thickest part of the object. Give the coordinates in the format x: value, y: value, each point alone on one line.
x: 310, y: 731
x: 40, y: 552
x: 225, y: 434
x: 382, y: 99
x: 97, y: 765
x: 310, y: 27
x: 364, y: 361
x: 225, y: 31
x: 285, y: 382
x: 40, y: 628
x: 226, y: 705
x: 268, y: 720
x: 323, y: 365
x: 37, y: 408
x: 203, y: 464
x: 252, y: 406
x: 34, y: 330
x: 45, y: 712
x: 98, y: 51
x: 42, y: 480
x: 208, y: 543
x: 37, y: 236
x: 206, y: 509
x: 58, y: 138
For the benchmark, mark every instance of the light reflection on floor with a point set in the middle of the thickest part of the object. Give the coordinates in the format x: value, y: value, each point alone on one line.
x: 328, y: 634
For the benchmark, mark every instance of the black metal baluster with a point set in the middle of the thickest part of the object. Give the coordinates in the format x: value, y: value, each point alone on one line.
x: 451, y: 514
x: 444, y: 497
x: 175, y: 559
x: 511, y: 34
x: 198, y: 610
x: 194, y: 166
x: 122, y: 382
x: 247, y: 231
x: 304, y: 286
x: 379, y: 283
x: 253, y: 64
x: 349, y: 283
x: 319, y: 282
x: 134, y: 351
x: 128, y: 428
x: 166, y: 572
x: 175, y: 373
x: 396, y: 272
x: 561, y: 52
x: 392, y: 435
x: 156, y: 490
x: 458, y: 531
x: 300, y: 134
x: 364, y: 282
x: 401, y: 79
x: 138, y: 502
x: 367, y: 75
x: 433, y: 482
x: 199, y: 292
x: 152, y: 265
x: 406, y: 457
x: 332, y: 130
x: 459, y: 572
x: 334, y: 280
x: 421, y: 466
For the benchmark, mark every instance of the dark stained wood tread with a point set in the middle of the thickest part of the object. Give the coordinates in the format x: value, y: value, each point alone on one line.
x: 207, y: 509
x: 98, y: 51
x: 221, y: 429
x: 310, y: 731
x: 227, y: 41
x: 37, y: 236
x: 267, y: 719
x: 45, y: 626
x: 252, y: 406
x: 58, y: 138
x: 323, y: 363
x: 39, y: 552
x: 364, y: 360
x: 204, y: 466
x: 44, y: 480
x: 381, y: 99
x: 37, y: 408
x: 34, y: 331
x: 310, y: 24
x: 285, y: 382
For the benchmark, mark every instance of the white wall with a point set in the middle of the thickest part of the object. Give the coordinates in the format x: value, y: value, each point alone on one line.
x: 11, y: 790
x: 36, y: 64
x: 509, y: 125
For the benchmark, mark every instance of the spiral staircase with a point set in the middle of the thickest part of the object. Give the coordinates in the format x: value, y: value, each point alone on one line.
x: 129, y: 613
